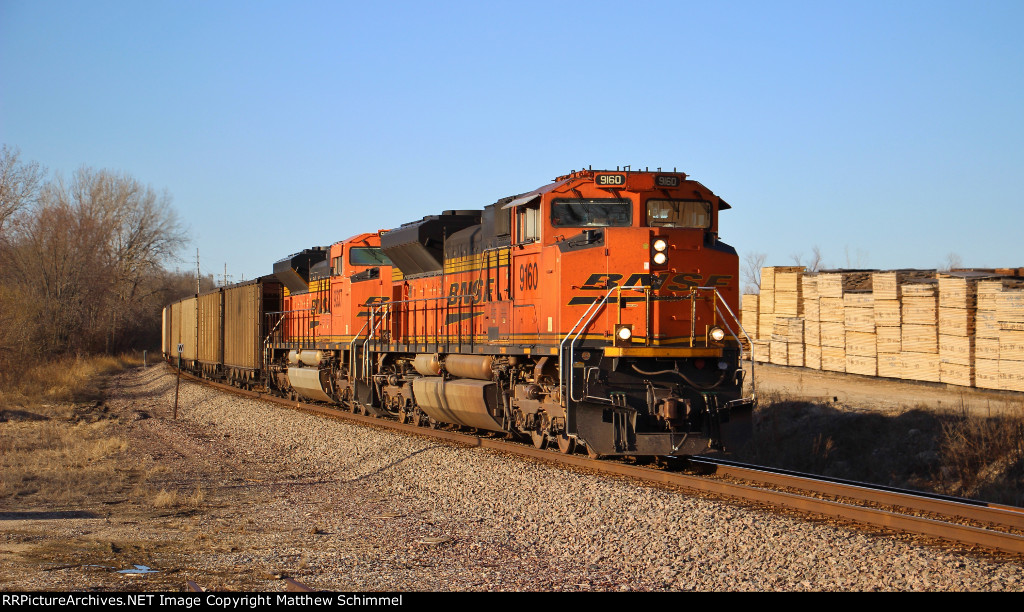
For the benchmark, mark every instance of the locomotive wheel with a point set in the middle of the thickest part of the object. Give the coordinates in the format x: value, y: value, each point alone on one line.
x: 566, y: 445
x: 539, y: 439
x: 403, y: 415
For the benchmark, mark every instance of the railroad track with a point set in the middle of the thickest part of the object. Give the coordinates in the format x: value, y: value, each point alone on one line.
x: 959, y: 521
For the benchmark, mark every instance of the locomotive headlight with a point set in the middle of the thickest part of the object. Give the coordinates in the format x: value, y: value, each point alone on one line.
x: 623, y: 334
x: 717, y: 334
x: 659, y: 256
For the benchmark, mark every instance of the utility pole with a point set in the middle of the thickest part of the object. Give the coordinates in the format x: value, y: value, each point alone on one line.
x: 197, y: 271
x: 224, y: 280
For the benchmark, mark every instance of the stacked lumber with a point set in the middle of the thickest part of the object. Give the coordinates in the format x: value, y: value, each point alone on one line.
x: 832, y: 324
x: 958, y: 300
x: 986, y: 341
x: 761, y: 351
x: 1010, y: 314
x: 766, y: 304
x: 920, y: 332
x: 832, y: 287
x: 963, y: 327
x: 986, y: 334
x: 859, y: 323
x: 789, y: 340
x: 836, y: 283
x: 780, y: 342
x: 766, y: 314
x: 788, y: 288
x: 812, y: 322
x: 778, y: 302
x: 886, y: 285
x: 749, y: 312
x: 888, y: 334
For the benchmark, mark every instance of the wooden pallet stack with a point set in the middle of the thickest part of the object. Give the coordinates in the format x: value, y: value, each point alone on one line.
x: 812, y: 321
x: 919, y: 311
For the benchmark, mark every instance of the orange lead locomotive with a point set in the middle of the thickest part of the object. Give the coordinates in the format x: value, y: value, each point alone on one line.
x: 596, y: 310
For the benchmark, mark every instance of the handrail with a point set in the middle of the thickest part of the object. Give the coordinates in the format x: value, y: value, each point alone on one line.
x: 595, y: 307
x: 369, y: 336
x: 352, y: 353
x: 739, y: 324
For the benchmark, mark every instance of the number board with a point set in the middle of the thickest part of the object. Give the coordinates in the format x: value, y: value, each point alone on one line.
x: 610, y: 180
x: 663, y: 180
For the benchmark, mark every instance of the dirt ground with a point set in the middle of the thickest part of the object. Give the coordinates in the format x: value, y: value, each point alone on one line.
x: 153, y: 520
x: 882, y: 394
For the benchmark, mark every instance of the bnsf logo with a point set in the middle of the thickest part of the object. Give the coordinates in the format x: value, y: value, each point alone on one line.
x: 679, y: 282
x: 614, y: 180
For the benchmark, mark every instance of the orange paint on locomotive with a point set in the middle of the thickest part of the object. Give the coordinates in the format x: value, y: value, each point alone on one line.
x: 536, y: 290
x: 336, y: 307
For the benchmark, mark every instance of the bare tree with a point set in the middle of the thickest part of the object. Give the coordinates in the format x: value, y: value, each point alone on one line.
x: 952, y: 262
x: 752, y: 264
x: 814, y: 264
x: 88, y: 259
x: 857, y: 262
x: 19, y: 183
x: 817, y: 262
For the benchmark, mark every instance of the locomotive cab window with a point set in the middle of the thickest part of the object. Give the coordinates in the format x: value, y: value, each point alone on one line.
x: 368, y: 256
x: 528, y: 223
x: 605, y: 212
x: 679, y: 213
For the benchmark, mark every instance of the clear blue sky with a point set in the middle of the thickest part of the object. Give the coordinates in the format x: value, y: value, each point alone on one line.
x: 887, y: 133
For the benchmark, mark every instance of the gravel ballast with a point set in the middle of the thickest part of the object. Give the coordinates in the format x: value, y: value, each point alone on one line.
x: 352, y: 508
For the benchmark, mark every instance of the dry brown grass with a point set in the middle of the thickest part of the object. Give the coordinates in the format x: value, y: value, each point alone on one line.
x: 69, y: 379
x: 983, y: 457
x: 918, y: 448
x: 174, y: 499
x: 57, y: 448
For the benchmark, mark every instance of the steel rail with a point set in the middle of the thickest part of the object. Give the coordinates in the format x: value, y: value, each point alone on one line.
x: 997, y: 515
x: 932, y: 527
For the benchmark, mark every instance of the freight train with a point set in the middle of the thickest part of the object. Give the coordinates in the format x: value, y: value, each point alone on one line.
x: 595, y: 312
